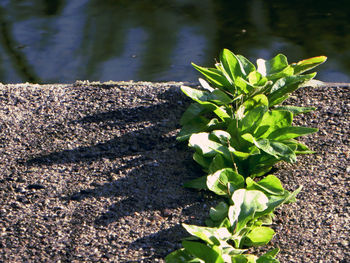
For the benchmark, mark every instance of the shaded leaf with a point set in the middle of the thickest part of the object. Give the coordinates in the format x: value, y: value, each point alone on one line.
x: 219, y: 212
x: 198, y: 183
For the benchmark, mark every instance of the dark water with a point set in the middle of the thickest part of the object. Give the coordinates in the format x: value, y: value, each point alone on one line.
x: 50, y: 41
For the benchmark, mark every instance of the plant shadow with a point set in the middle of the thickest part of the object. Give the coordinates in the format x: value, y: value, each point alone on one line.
x: 150, y: 176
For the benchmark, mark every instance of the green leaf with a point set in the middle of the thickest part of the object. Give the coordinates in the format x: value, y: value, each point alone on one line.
x: 243, y: 155
x: 243, y: 258
x: 203, y: 252
x: 259, y: 236
x: 202, y: 161
x: 219, y: 97
x: 181, y: 256
x: 194, y: 126
x: 220, y: 136
x: 239, y: 259
x: 286, y: 85
x: 218, y: 163
x: 261, y: 164
x: 291, y: 197
x: 195, y: 94
x: 272, y: 252
x: 205, y: 106
x: 254, y: 110
x: 231, y: 64
x: 301, y: 148
x: 266, y: 219
x: 255, y: 102
x: 287, y: 133
x: 273, y: 120
x: 270, y: 185
x: 205, y: 85
x: 215, y: 77
x: 276, y: 149
x: 295, y: 109
x: 308, y: 64
x: 272, y: 66
x: 252, y: 119
x: 220, y: 112
x: 219, y: 212
x: 198, y: 183
x: 267, y: 259
x: 288, y: 71
x: 243, y: 86
x: 246, y: 64
x: 203, y: 145
x: 277, y: 200
x: 254, y: 77
x: 193, y: 112
x: 210, y: 235
x: 246, y: 204
x: 225, y: 181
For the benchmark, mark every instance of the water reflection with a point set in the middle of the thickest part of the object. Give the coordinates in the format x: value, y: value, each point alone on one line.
x: 61, y: 41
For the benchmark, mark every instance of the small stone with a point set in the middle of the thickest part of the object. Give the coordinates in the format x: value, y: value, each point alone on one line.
x: 35, y: 186
x: 344, y: 243
x: 167, y: 212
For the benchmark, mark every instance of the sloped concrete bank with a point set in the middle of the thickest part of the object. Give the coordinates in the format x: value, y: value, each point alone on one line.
x: 91, y: 172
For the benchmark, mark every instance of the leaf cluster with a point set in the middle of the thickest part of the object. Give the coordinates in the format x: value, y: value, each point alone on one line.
x: 235, y: 80
x: 238, y: 130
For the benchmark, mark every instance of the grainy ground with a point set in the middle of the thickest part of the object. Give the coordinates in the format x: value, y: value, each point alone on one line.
x: 92, y: 173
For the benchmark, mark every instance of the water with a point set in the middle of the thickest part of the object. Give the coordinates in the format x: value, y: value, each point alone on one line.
x: 60, y: 41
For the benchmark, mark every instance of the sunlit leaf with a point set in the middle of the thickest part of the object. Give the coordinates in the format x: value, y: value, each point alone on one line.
x: 286, y: 133
x: 272, y: 66
x: 259, y: 236
x: 270, y: 185
x: 204, y: 252
x: 225, y: 181
x: 181, y: 256
x: 271, y: 121
x: 210, y: 235
x: 246, y: 204
x: 308, y: 64
x: 198, y: 183
x: 215, y: 77
x: 231, y: 64
x: 295, y: 109
x: 285, y: 86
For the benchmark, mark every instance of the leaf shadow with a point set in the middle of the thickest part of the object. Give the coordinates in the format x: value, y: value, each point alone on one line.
x: 152, y: 172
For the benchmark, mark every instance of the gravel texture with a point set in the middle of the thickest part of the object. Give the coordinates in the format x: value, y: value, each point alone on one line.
x: 91, y: 172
